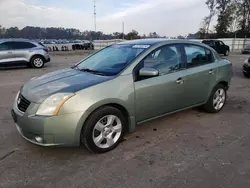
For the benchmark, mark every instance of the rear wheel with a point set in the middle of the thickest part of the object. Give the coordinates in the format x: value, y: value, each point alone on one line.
x: 37, y: 62
x: 217, y: 99
x: 246, y: 75
x: 103, y: 130
x: 226, y: 53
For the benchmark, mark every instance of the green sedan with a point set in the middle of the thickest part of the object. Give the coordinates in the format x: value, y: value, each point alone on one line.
x: 98, y: 100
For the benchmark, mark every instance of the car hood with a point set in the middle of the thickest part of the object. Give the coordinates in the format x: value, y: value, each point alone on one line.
x: 67, y: 80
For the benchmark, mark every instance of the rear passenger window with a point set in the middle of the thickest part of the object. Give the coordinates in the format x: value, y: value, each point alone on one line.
x: 197, y: 55
x: 22, y: 45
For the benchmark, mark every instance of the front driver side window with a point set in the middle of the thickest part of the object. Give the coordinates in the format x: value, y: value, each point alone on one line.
x: 166, y: 59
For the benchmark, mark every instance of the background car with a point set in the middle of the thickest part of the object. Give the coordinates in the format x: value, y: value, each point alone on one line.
x: 19, y: 52
x: 218, y: 46
x: 246, y: 68
x: 95, y: 102
x: 246, y: 50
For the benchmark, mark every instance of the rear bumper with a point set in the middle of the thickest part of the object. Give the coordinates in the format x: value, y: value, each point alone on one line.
x: 47, y: 60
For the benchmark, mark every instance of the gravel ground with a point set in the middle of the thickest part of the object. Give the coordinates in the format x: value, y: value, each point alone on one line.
x: 187, y: 149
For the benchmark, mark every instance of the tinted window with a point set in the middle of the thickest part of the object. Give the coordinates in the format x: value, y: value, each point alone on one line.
x: 166, y: 59
x: 197, y: 55
x: 5, y: 46
x: 209, y: 43
x: 22, y: 45
x: 221, y: 43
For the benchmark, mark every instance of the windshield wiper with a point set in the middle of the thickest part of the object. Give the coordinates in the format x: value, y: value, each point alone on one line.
x: 94, y: 71
x: 75, y: 67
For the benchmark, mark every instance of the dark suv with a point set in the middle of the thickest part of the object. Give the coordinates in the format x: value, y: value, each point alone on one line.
x: 218, y: 45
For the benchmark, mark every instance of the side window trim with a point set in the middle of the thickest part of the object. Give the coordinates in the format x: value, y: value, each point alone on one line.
x: 205, y: 48
x: 140, y: 64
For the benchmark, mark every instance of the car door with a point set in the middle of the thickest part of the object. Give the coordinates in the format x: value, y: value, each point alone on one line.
x: 162, y: 94
x: 200, y: 74
x: 6, y: 53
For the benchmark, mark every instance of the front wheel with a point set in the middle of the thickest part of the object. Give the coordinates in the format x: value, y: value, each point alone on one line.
x: 103, y: 130
x: 37, y: 62
x: 217, y: 99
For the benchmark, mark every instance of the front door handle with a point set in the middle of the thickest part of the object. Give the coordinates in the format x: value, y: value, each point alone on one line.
x: 10, y: 52
x: 211, y: 71
x: 179, y: 81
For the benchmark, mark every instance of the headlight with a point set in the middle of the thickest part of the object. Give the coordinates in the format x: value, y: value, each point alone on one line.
x: 17, y: 95
x: 52, y: 105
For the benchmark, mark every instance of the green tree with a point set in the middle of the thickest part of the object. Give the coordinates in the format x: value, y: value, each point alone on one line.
x: 225, y: 16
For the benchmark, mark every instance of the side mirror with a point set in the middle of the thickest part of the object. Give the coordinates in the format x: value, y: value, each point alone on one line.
x: 148, y: 72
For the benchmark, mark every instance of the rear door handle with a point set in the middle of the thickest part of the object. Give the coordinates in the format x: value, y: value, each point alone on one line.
x: 179, y: 81
x: 10, y: 52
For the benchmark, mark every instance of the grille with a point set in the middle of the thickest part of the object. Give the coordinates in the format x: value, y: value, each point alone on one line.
x: 22, y: 103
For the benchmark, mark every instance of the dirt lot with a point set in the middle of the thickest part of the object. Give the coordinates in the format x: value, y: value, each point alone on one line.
x: 187, y: 149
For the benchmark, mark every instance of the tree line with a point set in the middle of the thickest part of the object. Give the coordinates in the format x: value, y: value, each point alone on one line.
x: 30, y: 32
x: 233, y: 19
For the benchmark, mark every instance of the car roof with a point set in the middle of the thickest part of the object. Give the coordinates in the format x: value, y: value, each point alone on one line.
x: 15, y: 40
x: 211, y: 40
x: 158, y: 41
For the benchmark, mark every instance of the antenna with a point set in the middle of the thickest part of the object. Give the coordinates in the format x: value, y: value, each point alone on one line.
x: 95, y: 14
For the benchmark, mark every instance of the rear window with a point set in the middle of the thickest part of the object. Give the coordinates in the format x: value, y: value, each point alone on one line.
x: 41, y: 44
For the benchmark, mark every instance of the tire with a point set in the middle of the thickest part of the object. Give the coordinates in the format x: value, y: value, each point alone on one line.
x: 246, y: 75
x: 37, y: 62
x: 91, y: 132
x: 226, y: 53
x: 210, y: 106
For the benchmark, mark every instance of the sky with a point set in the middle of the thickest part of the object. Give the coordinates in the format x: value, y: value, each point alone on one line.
x: 166, y: 17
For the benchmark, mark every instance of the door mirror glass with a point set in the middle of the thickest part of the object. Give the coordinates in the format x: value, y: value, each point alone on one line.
x: 148, y: 72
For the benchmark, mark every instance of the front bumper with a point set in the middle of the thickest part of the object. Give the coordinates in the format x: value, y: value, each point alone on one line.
x: 245, y: 52
x: 63, y: 130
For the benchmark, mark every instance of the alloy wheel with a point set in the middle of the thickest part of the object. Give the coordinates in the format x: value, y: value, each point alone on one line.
x: 107, y: 131
x: 219, y: 99
x: 38, y: 62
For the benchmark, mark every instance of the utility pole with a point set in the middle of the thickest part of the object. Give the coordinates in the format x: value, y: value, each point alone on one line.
x: 123, y: 30
x: 95, y: 14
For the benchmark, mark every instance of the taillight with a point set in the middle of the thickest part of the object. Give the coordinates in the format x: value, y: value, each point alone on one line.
x: 46, y: 50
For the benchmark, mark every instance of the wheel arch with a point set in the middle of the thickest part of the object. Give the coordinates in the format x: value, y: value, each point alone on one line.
x: 37, y: 55
x: 223, y: 82
x: 130, y: 127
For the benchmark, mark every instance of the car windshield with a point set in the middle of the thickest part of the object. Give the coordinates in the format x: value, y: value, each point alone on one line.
x: 111, y: 60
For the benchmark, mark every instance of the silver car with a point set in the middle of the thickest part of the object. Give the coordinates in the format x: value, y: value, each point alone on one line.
x: 18, y: 52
